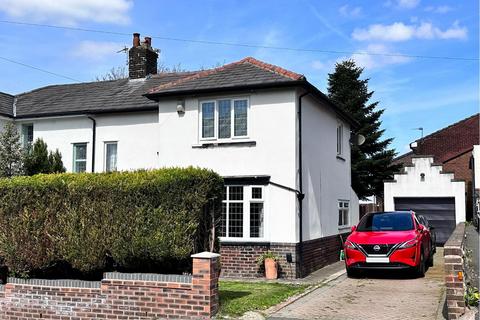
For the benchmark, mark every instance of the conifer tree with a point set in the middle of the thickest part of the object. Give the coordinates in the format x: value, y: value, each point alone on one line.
x: 11, y: 152
x: 371, y: 161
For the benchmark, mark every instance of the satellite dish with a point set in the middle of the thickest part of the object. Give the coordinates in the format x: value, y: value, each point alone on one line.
x: 360, y: 139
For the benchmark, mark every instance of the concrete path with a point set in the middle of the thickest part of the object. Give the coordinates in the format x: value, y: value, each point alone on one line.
x: 379, y: 295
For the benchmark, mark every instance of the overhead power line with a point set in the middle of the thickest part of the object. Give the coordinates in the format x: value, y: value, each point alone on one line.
x: 39, y: 69
x: 246, y: 45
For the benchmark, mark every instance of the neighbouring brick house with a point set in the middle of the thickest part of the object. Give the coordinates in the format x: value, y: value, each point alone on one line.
x: 450, y: 149
x: 281, y: 145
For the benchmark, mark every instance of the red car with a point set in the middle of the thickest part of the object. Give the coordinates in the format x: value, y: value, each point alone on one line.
x: 389, y: 240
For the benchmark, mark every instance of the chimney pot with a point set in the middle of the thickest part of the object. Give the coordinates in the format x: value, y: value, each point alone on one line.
x: 148, y: 41
x: 136, y: 39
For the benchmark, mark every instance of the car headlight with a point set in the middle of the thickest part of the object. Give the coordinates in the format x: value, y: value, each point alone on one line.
x: 408, y: 244
x: 350, y: 245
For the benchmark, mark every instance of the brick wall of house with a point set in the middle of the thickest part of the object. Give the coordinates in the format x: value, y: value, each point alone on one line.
x: 239, y: 260
x: 460, y: 166
x: 117, y: 296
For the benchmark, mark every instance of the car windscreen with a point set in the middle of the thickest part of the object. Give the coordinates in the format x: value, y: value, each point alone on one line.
x: 386, y: 222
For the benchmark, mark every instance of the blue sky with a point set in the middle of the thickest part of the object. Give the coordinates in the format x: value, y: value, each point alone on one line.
x: 428, y: 93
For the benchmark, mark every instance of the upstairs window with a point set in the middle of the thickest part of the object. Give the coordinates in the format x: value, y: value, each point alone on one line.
x: 110, y: 156
x: 224, y: 119
x: 79, y: 157
x: 27, y: 135
x: 339, y: 138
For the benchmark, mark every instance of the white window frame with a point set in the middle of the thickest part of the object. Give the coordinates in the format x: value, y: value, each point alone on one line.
x: 247, y: 200
x: 23, y: 137
x: 106, y: 143
x: 342, y: 208
x: 216, y: 119
x: 339, y: 138
x: 74, y: 161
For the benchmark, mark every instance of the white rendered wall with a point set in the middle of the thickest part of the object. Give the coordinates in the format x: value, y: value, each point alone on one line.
x: 326, y: 178
x: 271, y: 126
x: 435, y: 185
x: 135, y: 133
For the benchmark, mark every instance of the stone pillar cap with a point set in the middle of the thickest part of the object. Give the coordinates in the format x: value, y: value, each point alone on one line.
x: 205, y: 255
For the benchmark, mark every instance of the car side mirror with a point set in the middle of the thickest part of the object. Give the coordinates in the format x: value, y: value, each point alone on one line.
x: 354, y: 228
x: 420, y: 228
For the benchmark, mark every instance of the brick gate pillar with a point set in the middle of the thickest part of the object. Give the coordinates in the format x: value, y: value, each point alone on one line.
x: 206, y: 270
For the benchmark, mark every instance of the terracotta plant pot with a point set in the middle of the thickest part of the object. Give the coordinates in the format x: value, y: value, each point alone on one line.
x: 270, y: 269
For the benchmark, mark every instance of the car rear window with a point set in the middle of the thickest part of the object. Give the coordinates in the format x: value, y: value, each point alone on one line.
x: 381, y: 221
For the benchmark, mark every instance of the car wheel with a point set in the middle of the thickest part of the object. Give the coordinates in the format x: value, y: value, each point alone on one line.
x: 421, y: 265
x: 430, y: 259
x: 351, y: 273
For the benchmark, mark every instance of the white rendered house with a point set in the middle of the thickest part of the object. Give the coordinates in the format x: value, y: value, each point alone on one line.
x: 282, y: 147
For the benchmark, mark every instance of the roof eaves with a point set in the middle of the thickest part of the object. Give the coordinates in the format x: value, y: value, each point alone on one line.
x: 287, y: 83
x: 85, y: 112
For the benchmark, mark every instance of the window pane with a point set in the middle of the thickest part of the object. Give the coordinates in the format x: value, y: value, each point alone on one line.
x: 80, y: 166
x: 240, y: 118
x: 224, y: 118
x: 339, y: 139
x: 224, y: 193
x: 223, y: 222
x: 27, y: 134
x: 111, y: 157
x: 81, y: 152
x: 340, y: 218
x: 208, y: 119
x: 235, y: 193
x: 256, y: 193
x: 345, y: 217
x: 256, y: 220
x: 235, y: 220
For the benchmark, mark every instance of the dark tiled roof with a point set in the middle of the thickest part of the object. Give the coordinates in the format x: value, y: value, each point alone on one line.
x: 246, y: 72
x: 140, y: 94
x: 6, y: 104
x: 449, y: 142
x: 92, y: 97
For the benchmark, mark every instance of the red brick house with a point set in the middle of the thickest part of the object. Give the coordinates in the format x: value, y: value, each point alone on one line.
x: 452, y: 148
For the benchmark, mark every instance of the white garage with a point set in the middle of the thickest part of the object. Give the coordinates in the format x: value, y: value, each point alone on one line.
x: 425, y: 189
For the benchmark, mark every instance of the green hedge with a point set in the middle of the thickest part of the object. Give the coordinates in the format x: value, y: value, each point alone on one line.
x: 88, y: 220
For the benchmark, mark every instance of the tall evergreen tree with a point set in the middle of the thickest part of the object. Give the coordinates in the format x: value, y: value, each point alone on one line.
x: 372, y: 161
x: 11, y: 152
x: 39, y: 160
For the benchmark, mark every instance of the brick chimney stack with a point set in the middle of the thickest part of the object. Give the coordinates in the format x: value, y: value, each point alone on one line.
x: 142, y: 58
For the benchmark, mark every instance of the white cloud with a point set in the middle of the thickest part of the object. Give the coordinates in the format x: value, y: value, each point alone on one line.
x: 407, y: 4
x: 348, y: 11
x: 69, y: 12
x: 96, y: 50
x: 438, y: 9
x: 373, y: 61
x: 318, y: 65
x: 399, y: 31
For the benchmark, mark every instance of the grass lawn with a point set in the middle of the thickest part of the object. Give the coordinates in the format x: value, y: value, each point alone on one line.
x: 236, y: 298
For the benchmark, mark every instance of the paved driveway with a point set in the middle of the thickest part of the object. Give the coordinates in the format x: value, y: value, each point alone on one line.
x: 387, y: 296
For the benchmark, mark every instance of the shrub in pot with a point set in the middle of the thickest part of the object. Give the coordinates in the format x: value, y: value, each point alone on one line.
x: 269, y: 261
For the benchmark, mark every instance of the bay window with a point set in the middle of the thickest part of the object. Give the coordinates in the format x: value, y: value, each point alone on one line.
x: 242, y: 212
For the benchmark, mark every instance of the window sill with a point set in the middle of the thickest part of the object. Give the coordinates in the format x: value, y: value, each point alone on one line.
x: 219, y: 144
x: 341, y: 158
x: 344, y: 228
x: 243, y: 241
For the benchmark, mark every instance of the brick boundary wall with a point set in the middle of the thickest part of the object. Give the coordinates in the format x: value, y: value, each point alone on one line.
x: 117, y: 296
x: 239, y: 260
x: 453, y: 253
x: 321, y: 252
